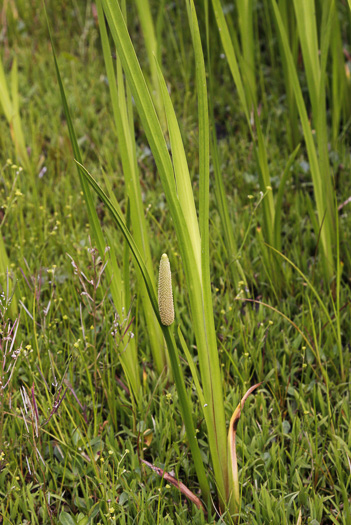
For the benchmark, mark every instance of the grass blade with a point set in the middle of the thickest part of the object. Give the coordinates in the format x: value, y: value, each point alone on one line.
x: 151, y: 44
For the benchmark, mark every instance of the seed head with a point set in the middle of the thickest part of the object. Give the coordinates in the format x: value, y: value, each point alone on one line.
x: 165, y: 296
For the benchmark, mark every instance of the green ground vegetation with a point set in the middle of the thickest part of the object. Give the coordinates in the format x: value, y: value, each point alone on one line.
x: 87, y: 388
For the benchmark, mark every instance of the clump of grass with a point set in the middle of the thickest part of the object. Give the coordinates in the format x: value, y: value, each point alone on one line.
x: 194, y: 248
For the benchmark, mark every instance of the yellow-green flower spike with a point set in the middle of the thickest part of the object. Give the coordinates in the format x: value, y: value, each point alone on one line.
x: 165, y: 296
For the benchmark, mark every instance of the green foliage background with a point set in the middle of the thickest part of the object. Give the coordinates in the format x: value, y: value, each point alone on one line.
x: 81, y: 464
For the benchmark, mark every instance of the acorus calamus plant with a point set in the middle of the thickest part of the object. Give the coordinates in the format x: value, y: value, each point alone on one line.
x: 193, y: 241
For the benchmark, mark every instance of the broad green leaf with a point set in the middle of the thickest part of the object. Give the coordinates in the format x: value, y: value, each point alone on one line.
x: 218, y: 445
x: 181, y: 170
x: 150, y: 40
x: 67, y: 519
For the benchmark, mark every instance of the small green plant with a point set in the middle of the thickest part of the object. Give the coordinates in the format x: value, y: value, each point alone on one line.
x: 193, y: 239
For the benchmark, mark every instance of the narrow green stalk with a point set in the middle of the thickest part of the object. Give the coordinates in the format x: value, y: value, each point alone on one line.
x: 246, y: 27
x: 287, y: 12
x: 337, y: 301
x: 4, y: 275
x: 340, y: 87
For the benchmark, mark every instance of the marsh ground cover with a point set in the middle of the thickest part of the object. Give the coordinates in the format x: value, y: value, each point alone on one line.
x: 74, y: 427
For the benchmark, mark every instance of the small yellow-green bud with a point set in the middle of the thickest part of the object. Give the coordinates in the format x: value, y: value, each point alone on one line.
x: 165, y: 296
